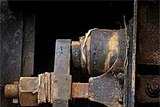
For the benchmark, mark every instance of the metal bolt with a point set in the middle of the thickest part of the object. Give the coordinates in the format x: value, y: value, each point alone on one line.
x: 11, y: 90
x: 153, y: 88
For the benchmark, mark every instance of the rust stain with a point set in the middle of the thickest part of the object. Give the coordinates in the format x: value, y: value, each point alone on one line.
x: 88, y: 46
x: 76, y: 43
x: 28, y: 99
x: 11, y: 91
x: 80, y: 90
x: 113, y: 48
x: 28, y: 93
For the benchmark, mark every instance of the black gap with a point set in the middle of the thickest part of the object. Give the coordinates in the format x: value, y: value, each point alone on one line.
x: 148, y: 69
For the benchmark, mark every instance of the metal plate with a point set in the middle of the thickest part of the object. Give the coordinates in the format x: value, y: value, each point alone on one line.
x: 148, y: 32
x: 61, y: 78
x: 106, y: 90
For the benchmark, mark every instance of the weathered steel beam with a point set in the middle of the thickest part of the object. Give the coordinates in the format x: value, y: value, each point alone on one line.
x: 28, y: 45
x: 148, y: 32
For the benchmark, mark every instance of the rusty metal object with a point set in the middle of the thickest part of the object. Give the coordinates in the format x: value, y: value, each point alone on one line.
x: 44, y: 91
x: 101, y: 48
x: 61, y: 78
x: 76, y: 54
x: 28, y: 90
x: 108, y: 59
x: 29, y: 95
x: 153, y: 88
x: 148, y: 33
x: 130, y: 72
x: 105, y: 53
x: 11, y: 91
x: 24, y: 92
x: 103, y: 90
x: 101, y: 52
x: 80, y: 90
x: 107, y: 90
x: 28, y: 99
x: 148, y: 88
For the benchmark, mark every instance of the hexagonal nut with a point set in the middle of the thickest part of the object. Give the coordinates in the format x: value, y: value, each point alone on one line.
x: 28, y: 91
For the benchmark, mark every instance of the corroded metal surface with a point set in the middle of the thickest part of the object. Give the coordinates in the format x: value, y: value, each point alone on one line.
x: 28, y: 45
x: 104, y: 50
x: 11, y: 90
x: 31, y: 92
x: 98, y: 51
x: 44, y: 91
x: 130, y: 73
x: 28, y: 84
x: 28, y: 89
x: 76, y: 54
x: 111, y: 58
x: 105, y: 54
x: 153, y: 88
x: 61, y: 78
x: 80, y: 90
x: 28, y: 99
x: 148, y: 33
x: 148, y: 88
x: 106, y: 89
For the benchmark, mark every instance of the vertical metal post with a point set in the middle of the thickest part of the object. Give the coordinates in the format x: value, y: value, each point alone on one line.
x: 61, y: 83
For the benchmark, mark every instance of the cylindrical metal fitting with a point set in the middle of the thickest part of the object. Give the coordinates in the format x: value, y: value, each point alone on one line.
x: 76, y: 54
x: 100, y: 50
x: 11, y: 91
